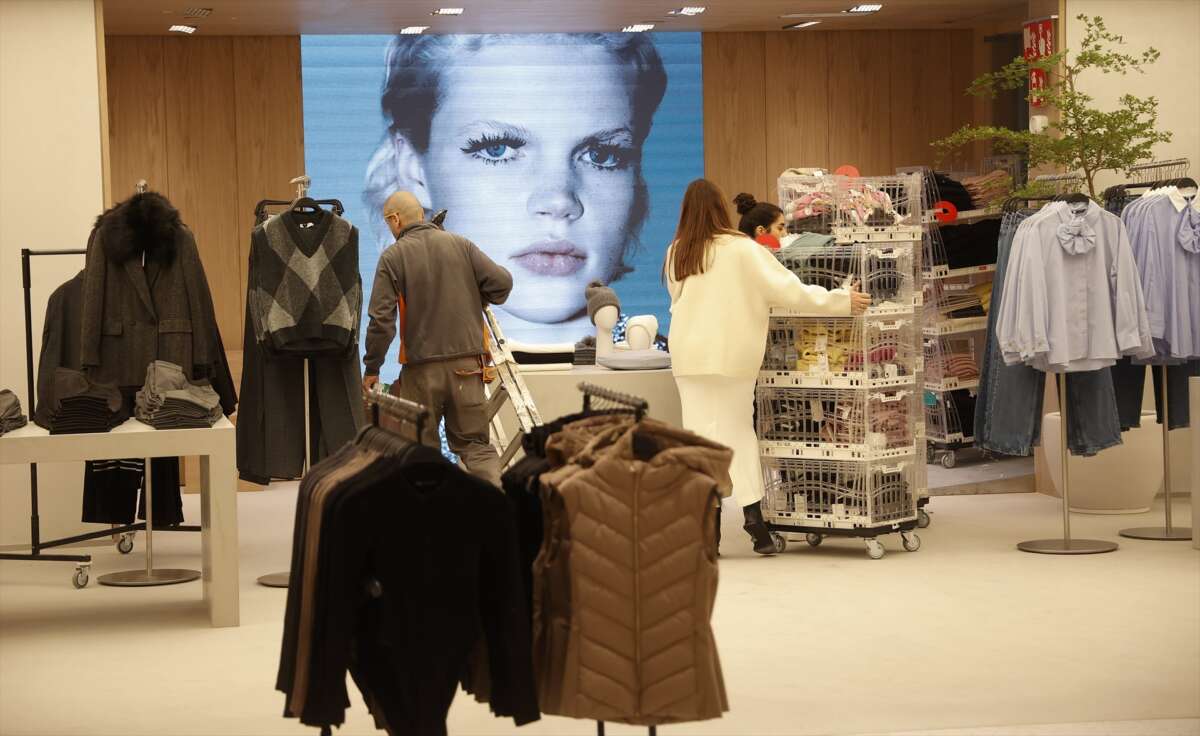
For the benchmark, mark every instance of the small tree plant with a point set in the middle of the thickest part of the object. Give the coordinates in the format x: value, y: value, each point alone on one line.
x: 1084, y: 138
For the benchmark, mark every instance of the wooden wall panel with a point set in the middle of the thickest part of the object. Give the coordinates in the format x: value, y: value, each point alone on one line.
x: 270, y: 143
x: 734, y: 112
x: 860, y: 102
x: 137, y: 125
x: 922, y: 109
x: 797, y: 94
x: 202, y: 162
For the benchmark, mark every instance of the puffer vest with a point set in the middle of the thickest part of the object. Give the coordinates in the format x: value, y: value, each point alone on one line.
x: 626, y: 578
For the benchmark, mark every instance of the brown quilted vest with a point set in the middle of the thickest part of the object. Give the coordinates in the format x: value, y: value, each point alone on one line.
x: 626, y: 578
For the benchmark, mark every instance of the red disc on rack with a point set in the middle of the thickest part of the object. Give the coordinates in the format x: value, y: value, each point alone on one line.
x: 847, y: 170
x: 944, y: 211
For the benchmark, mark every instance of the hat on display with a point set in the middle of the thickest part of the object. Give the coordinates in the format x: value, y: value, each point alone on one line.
x: 600, y: 296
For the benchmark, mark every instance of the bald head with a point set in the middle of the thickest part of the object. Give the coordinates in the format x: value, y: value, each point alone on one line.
x: 401, y: 210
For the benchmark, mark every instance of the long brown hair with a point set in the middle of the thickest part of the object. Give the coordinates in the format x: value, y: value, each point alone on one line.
x: 702, y: 216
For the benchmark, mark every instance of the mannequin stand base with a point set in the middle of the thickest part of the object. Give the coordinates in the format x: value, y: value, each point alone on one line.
x: 144, y: 579
x: 1158, y: 533
x: 275, y: 580
x: 1064, y: 547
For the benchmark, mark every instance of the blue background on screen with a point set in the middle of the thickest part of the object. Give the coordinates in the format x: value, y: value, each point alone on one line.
x: 343, y: 127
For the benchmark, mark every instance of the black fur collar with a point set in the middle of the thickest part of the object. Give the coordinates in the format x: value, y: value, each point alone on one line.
x: 144, y: 223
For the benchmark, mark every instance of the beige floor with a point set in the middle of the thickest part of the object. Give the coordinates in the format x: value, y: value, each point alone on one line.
x: 965, y: 634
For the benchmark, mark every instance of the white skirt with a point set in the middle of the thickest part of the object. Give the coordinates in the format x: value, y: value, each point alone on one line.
x: 721, y: 409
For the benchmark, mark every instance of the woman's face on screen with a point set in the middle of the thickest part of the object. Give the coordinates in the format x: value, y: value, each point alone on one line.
x: 532, y: 151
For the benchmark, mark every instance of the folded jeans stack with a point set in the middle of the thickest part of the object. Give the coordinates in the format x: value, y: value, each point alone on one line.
x: 10, y: 412
x: 169, y: 401
x: 82, y: 405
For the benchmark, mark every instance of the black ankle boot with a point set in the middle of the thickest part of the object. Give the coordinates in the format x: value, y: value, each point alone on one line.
x: 718, y: 529
x: 757, y: 529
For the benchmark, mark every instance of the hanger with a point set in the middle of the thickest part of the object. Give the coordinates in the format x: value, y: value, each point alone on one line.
x: 302, y: 202
x: 625, y: 402
x: 406, y: 411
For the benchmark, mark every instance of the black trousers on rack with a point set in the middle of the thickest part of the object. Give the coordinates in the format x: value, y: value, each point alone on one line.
x: 111, y: 491
x: 270, y: 420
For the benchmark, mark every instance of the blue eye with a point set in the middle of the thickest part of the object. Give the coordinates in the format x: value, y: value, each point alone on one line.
x: 602, y: 158
x: 496, y: 151
x: 606, y: 157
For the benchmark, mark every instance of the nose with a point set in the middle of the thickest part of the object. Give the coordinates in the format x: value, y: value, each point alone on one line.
x: 554, y: 197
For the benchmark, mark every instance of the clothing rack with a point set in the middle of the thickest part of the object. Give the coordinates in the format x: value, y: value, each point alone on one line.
x: 636, y: 404
x: 1177, y: 170
x: 403, y: 409
x: 1062, y: 183
x: 1066, y: 545
x: 83, y: 562
x: 302, y: 200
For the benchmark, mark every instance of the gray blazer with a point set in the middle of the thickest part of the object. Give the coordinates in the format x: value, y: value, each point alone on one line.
x: 134, y: 315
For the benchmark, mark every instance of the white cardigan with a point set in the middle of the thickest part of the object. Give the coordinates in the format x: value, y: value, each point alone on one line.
x: 719, y: 318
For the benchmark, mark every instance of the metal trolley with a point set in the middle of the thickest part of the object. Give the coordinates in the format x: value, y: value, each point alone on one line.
x: 839, y: 411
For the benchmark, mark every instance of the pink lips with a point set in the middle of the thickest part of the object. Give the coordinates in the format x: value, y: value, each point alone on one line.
x: 552, y: 258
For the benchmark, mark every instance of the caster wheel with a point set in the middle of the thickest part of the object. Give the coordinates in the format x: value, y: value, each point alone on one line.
x: 80, y: 579
x: 780, y: 542
x: 948, y: 460
x: 912, y: 542
x: 875, y: 549
x: 813, y: 539
x: 125, y: 544
x: 922, y: 518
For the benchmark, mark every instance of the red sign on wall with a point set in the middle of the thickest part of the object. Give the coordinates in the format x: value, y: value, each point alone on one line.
x: 1039, y: 42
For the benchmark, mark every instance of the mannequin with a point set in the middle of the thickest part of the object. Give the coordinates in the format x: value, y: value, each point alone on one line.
x: 640, y: 331
x: 604, y: 309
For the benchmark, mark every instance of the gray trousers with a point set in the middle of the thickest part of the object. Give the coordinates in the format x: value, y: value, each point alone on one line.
x: 448, y: 389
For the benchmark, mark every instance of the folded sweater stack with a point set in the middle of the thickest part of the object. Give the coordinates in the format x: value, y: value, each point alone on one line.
x: 10, y: 412
x: 168, y: 400
x: 82, y: 406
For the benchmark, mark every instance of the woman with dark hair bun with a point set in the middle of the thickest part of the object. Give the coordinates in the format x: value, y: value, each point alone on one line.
x: 761, y: 221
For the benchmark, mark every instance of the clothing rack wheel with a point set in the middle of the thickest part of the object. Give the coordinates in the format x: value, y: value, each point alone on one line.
x: 1167, y: 532
x: 653, y: 730
x: 1066, y: 545
x: 150, y: 576
x: 280, y: 579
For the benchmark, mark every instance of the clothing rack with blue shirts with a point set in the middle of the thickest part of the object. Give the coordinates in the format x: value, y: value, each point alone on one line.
x: 83, y: 562
x: 1116, y: 198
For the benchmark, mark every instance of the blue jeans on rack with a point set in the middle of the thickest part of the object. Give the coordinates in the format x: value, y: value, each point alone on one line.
x: 1008, y: 410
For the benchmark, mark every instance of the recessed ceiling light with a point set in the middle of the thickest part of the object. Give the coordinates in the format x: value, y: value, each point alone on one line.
x: 637, y: 28
x: 866, y: 8
x: 197, y: 12
x: 447, y: 11
x: 182, y: 29
x: 689, y: 10
x: 413, y: 30
x: 798, y: 26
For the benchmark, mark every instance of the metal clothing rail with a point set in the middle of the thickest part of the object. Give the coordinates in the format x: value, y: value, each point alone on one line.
x: 639, y: 405
x: 82, y: 562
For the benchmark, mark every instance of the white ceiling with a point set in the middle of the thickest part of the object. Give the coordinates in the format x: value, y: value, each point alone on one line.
x: 290, y: 17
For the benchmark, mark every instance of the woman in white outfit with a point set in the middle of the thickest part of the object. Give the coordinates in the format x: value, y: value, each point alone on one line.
x: 722, y: 287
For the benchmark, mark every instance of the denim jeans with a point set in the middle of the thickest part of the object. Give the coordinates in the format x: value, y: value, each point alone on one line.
x: 1129, y: 380
x: 1008, y: 411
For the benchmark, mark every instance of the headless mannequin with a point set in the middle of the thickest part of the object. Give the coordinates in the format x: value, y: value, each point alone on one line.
x: 606, y: 320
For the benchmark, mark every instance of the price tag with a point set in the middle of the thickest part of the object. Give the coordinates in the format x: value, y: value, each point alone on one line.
x: 944, y: 211
x: 847, y: 170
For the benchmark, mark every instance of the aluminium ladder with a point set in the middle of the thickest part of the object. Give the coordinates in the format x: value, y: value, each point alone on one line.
x: 512, y: 388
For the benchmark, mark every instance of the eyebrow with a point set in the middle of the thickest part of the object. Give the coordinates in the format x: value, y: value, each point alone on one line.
x: 604, y: 135
x: 507, y: 127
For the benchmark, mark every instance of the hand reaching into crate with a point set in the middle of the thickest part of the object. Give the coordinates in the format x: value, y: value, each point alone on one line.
x: 858, y: 300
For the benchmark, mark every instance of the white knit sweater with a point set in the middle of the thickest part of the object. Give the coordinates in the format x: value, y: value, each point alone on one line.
x: 719, y: 318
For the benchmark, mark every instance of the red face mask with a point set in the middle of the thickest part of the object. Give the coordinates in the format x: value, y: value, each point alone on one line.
x: 768, y: 240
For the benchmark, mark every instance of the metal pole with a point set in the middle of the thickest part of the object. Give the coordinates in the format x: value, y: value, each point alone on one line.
x: 1165, y: 533
x: 31, y: 398
x: 149, y: 576
x: 1066, y: 545
x: 281, y: 579
x: 148, y: 484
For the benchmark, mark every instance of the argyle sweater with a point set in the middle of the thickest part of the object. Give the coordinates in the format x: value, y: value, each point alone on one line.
x: 304, y: 296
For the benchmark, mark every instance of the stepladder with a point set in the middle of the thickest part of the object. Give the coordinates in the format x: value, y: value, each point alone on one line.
x: 510, y: 388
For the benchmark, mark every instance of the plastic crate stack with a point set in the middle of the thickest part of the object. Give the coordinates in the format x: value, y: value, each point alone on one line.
x: 839, y: 416
x: 954, y: 332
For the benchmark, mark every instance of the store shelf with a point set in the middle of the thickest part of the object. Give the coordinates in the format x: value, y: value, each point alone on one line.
x: 965, y: 216
x: 942, y: 272
x: 953, y: 438
x: 796, y: 379
x: 956, y: 326
x: 831, y: 451
x: 950, y: 384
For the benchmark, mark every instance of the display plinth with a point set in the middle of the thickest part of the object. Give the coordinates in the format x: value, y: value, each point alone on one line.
x: 275, y: 580
x: 144, y: 579
x: 218, y: 487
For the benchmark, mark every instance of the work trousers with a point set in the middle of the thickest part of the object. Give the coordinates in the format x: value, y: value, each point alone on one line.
x: 453, y: 390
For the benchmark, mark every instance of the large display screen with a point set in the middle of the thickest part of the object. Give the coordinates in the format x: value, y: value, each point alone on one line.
x: 562, y: 156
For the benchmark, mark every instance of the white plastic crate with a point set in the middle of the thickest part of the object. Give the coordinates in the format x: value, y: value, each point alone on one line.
x: 843, y: 424
x: 819, y: 203
x: 952, y: 362
x: 873, y: 352
x: 949, y: 416
x: 887, y: 270
x: 832, y: 494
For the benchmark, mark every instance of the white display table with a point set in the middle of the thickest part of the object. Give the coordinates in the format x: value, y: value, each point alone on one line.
x: 218, y: 486
x: 555, y: 394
